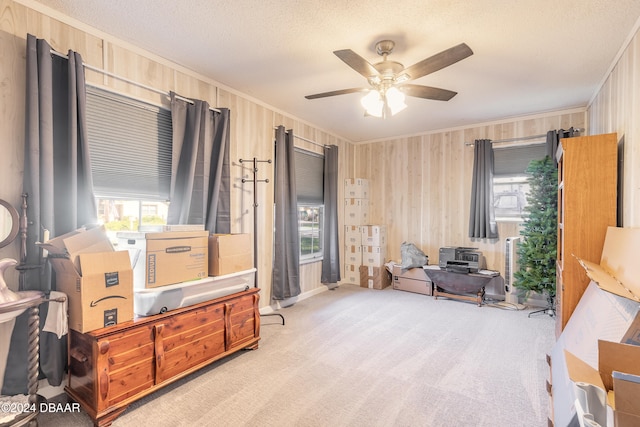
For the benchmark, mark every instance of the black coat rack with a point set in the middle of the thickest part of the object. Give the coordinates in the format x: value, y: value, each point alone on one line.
x: 255, y: 182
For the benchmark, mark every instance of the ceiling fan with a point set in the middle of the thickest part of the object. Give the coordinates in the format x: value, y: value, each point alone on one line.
x: 388, y: 79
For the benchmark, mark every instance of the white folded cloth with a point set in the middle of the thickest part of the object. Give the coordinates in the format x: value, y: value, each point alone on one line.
x: 56, y: 321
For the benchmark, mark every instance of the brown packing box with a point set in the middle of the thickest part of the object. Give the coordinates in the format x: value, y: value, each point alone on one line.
x: 374, y: 277
x: 623, y: 390
x: 98, y: 281
x: 229, y: 253
x: 65, y: 249
x: 411, y: 280
x: 175, y: 257
x: 618, y: 271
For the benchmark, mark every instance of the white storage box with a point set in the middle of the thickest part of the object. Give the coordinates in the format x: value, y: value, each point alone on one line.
x: 356, y: 211
x: 351, y: 274
x: 353, y: 255
x: 352, y: 235
x: 373, y: 235
x: 147, y: 302
x: 356, y: 188
x: 373, y: 256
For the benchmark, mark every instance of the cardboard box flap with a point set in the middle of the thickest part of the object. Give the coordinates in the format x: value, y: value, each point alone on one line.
x: 627, y: 390
x: 614, y: 356
x: 607, y: 282
x: 100, y: 263
x: 56, y: 245
x: 581, y: 372
x: 619, y: 256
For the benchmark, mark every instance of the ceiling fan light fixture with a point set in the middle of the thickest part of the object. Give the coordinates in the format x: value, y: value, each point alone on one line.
x: 395, y: 100
x: 372, y: 103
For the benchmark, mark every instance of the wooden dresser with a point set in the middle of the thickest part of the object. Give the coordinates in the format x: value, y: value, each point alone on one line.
x: 587, y: 205
x: 112, y: 367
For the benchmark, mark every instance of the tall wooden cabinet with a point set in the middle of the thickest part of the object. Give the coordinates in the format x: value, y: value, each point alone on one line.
x: 587, y: 203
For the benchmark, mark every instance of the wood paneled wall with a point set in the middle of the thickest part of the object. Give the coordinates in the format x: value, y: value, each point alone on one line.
x: 421, y: 186
x: 616, y: 108
x: 252, y: 123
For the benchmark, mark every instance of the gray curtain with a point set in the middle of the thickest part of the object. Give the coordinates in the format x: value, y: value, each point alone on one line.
x: 331, y: 246
x: 553, y: 139
x: 200, y: 178
x: 482, y: 222
x: 285, y: 280
x: 57, y: 179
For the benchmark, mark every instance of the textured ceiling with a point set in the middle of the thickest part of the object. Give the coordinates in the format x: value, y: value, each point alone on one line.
x: 530, y: 56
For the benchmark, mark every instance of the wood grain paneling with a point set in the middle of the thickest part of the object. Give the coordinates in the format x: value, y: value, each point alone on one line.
x: 616, y: 108
x: 421, y: 186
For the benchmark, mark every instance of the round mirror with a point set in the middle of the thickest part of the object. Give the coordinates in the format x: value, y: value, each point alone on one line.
x: 8, y: 223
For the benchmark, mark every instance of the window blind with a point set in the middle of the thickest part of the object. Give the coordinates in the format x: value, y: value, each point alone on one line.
x: 309, y: 177
x: 515, y: 160
x: 130, y: 146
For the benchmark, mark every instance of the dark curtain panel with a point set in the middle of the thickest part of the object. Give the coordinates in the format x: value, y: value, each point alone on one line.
x: 482, y: 222
x: 200, y: 178
x: 553, y: 139
x: 57, y: 179
x: 331, y: 247
x: 285, y: 280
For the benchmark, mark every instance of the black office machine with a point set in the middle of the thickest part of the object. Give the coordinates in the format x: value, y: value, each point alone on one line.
x: 459, y: 259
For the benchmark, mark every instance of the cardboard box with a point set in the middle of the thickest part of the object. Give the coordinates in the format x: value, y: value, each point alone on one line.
x: 617, y: 381
x: 230, y: 253
x: 374, y: 235
x: 166, y: 258
x: 373, y: 256
x: 353, y: 255
x: 97, y: 280
x: 411, y: 280
x: 618, y: 271
x: 356, y: 211
x: 374, y: 277
x: 356, y: 188
x: 352, y: 235
x: 351, y: 274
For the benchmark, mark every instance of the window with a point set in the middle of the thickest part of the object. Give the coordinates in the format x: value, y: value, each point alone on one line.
x: 130, y: 143
x: 310, y: 220
x: 310, y: 196
x: 510, y: 181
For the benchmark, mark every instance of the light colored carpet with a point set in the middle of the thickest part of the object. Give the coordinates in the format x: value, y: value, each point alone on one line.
x: 363, y: 357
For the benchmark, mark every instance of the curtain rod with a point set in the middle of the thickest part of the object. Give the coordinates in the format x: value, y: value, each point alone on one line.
x: 523, y: 138
x: 304, y: 139
x: 149, y: 88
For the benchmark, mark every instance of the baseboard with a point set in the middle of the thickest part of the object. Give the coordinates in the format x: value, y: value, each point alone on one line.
x: 277, y: 305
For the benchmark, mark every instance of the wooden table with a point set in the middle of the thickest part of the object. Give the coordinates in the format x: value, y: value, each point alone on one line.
x: 466, y: 287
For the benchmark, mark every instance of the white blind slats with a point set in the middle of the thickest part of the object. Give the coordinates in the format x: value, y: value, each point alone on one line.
x: 309, y: 177
x: 515, y: 160
x: 130, y: 143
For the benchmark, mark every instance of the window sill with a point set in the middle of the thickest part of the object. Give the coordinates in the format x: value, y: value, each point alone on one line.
x: 519, y: 220
x: 310, y: 260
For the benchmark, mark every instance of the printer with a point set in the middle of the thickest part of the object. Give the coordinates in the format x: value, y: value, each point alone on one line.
x: 460, y: 259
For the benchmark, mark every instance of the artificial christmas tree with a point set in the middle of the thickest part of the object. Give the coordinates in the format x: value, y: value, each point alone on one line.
x: 537, y: 252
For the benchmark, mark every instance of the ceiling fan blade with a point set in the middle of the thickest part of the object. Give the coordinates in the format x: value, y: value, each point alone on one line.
x: 438, y: 61
x: 427, y: 92
x: 357, y: 62
x: 336, y: 92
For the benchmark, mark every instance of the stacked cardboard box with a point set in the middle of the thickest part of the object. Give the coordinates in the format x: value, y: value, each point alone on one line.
x: 356, y: 213
x: 373, y: 273
x: 166, y: 258
x: 97, y: 280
